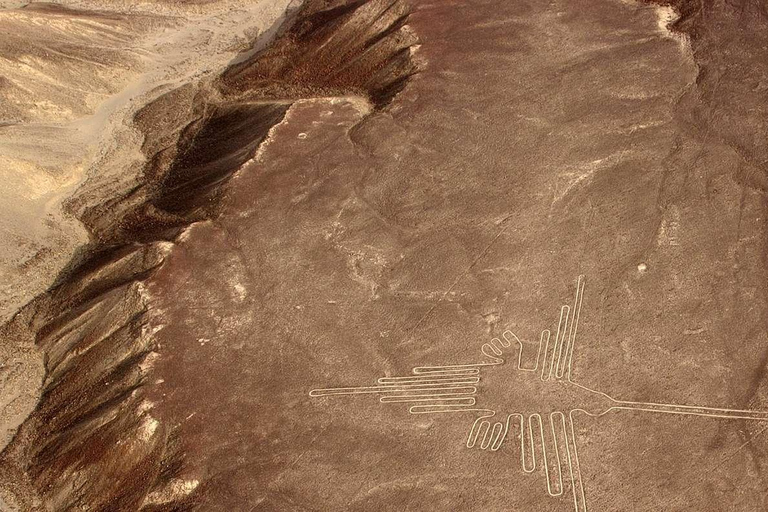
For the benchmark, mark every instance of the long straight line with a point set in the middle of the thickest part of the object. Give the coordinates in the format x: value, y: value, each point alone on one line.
x: 387, y: 389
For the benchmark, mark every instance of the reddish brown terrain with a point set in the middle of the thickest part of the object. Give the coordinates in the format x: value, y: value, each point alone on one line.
x: 434, y: 255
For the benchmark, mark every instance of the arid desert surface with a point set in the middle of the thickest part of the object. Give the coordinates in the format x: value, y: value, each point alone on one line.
x: 384, y: 255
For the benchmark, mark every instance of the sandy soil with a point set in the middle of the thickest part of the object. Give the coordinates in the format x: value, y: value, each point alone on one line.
x: 69, y: 97
x: 540, y: 143
x: 72, y: 77
x: 380, y: 191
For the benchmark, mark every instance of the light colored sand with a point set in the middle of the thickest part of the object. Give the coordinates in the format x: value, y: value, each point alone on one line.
x: 72, y: 82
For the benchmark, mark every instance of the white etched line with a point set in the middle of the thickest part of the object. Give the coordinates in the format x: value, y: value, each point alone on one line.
x: 425, y: 377
x: 464, y: 399
x: 577, y: 484
x: 569, y: 440
x: 568, y: 333
x: 492, y: 351
x: 453, y: 389
x: 561, y: 342
x: 427, y: 398
x: 562, y: 325
x: 441, y: 409
x: 525, y: 447
x: 447, y: 373
x: 383, y: 389
x: 490, y: 435
x: 535, y: 435
x: 557, y: 422
x: 485, y: 429
x: 435, y: 369
x: 545, y: 458
x: 544, y: 338
x: 495, y: 434
x: 501, y: 343
x: 511, y: 338
x: 543, y: 342
x: 501, y: 436
x: 433, y: 401
x: 473, y: 433
x: 575, y: 323
x: 430, y: 380
x: 443, y: 371
x: 544, y: 375
x: 437, y: 374
x: 463, y: 390
x: 692, y: 410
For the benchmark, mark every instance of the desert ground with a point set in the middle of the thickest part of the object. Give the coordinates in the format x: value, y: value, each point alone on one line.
x: 412, y: 255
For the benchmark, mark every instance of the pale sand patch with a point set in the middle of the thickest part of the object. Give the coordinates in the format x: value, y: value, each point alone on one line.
x: 50, y: 155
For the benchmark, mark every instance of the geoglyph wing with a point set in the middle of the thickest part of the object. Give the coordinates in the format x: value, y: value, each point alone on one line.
x: 534, y: 403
